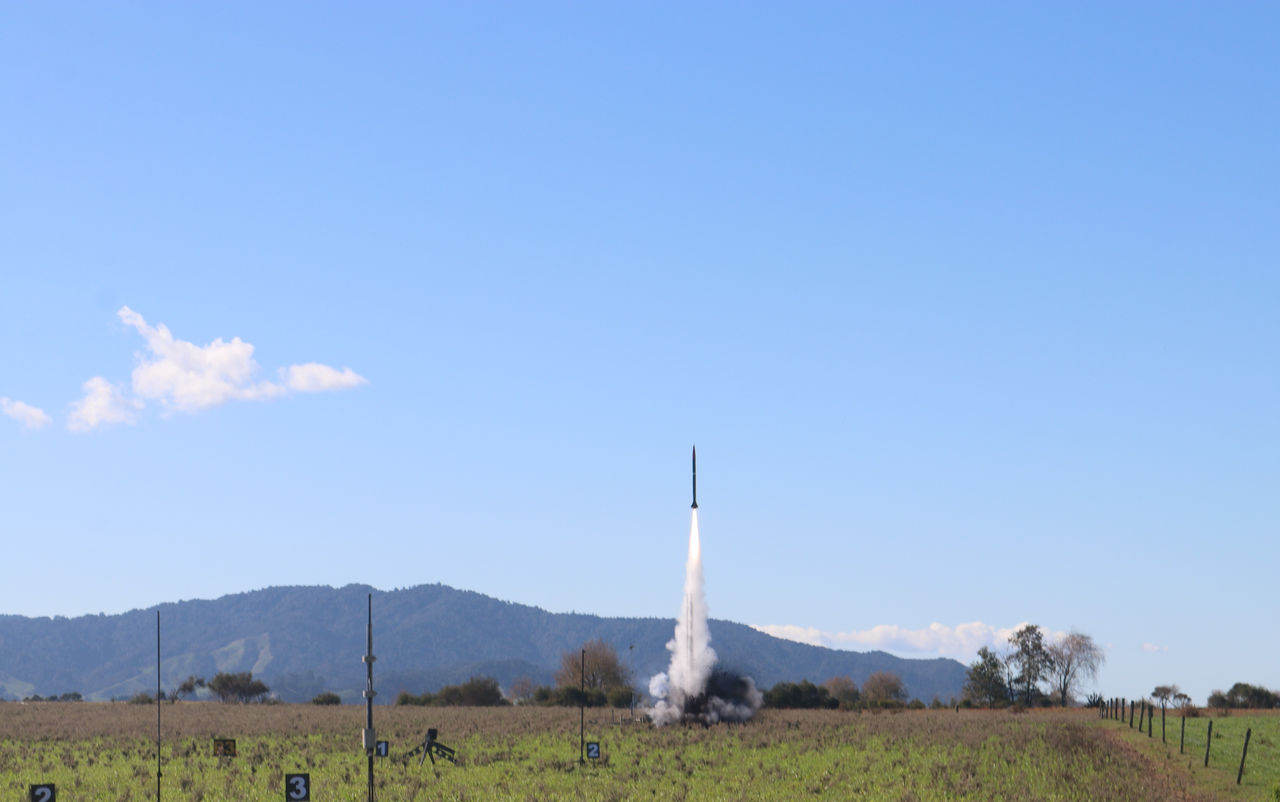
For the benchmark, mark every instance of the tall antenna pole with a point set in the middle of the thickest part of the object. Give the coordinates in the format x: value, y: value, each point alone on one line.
x: 157, y: 706
x: 370, y: 736
x: 582, y: 709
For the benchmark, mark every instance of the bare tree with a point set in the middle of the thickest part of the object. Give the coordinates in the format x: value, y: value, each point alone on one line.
x: 884, y: 686
x: 602, y: 670
x: 1071, y: 660
x: 844, y: 690
x: 522, y: 689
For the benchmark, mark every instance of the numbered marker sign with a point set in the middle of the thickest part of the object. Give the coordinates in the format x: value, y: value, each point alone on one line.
x: 297, y: 787
x: 224, y: 747
x: 382, y: 748
x: 43, y: 793
x: 593, y: 750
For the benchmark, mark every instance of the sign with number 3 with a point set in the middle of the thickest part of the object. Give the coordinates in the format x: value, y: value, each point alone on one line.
x: 297, y: 787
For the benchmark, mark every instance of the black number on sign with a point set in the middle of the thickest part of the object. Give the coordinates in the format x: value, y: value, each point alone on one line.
x: 593, y: 750
x: 381, y: 748
x: 297, y: 787
x: 43, y: 793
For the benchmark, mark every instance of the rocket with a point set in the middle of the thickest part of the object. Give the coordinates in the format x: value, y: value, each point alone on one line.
x: 695, y: 477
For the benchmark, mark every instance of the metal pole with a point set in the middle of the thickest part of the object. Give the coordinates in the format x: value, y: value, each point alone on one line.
x: 370, y: 736
x: 582, y: 710
x: 157, y: 706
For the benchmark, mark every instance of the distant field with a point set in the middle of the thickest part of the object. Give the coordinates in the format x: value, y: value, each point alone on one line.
x: 105, y: 751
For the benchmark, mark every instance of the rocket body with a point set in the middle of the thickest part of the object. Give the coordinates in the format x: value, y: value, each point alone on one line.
x: 695, y: 477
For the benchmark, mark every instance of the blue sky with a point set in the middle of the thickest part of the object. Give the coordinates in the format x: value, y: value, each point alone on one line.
x: 970, y: 310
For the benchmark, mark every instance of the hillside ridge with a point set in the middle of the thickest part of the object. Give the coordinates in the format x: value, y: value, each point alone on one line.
x: 304, y: 639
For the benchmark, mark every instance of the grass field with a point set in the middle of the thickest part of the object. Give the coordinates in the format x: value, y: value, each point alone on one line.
x: 1262, y: 765
x: 105, y: 752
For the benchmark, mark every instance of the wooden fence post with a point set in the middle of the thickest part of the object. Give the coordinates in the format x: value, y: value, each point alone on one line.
x: 1240, y: 774
x: 1162, y: 740
x: 1142, y: 711
x: 1208, y: 740
x: 1131, y: 715
x: 1182, y: 739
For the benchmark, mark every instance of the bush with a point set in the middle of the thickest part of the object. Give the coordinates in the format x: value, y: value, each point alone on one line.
x: 141, y: 698
x: 569, y: 697
x: 620, y: 697
x: 802, y: 695
x: 916, y: 704
x: 327, y: 698
x: 475, y: 692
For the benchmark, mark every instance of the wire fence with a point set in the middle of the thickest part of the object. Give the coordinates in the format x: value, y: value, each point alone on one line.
x: 1223, y: 744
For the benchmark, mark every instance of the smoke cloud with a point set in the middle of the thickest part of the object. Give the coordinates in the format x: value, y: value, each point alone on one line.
x: 693, y: 689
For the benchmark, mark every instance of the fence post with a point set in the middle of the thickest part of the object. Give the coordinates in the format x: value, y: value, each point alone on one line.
x: 1240, y: 774
x: 1142, y: 711
x: 1182, y: 739
x: 1162, y: 740
x: 1207, y: 741
x: 1131, y: 715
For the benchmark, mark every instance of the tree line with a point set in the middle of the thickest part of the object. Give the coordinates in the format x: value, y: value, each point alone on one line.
x: 1031, y: 672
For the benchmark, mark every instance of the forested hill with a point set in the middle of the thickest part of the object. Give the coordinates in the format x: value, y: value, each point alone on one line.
x: 303, y: 640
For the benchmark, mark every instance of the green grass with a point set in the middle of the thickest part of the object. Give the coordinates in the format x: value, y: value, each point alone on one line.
x: 1261, y: 778
x: 106, y: 752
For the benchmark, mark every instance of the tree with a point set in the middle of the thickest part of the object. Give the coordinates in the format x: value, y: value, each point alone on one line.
x: 1071, y: 660
x: 522, y: 689
x: 985, y: 684
x: 475, y: 692
x: 1030, y: 659
x: 1244, y: 695
x: 187, y: 687
x: 240, y: 687
x: 802, y: 695
x: 604, y: 671
x: 844, y: 690
x: 884, y: 686
x: 1163, y: 693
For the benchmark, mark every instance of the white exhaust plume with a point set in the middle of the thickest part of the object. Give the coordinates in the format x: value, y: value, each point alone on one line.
x: 692, y: 689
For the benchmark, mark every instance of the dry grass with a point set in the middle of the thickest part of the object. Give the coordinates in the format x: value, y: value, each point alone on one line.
x: 106, y: 750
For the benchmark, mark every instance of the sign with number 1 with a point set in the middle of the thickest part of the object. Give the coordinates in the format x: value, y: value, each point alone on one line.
x: 297, y: 787
x: 43, y: 793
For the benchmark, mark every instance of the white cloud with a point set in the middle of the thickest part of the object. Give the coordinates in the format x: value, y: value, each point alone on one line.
x: 960, y: 641
x: 314, y: 378
x: 188, y: 377
x: 103, y: 403
x: 30, y: 417
x: 1153, y: 649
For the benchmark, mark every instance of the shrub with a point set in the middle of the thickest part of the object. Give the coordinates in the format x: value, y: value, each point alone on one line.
x: 141, y: 698
x: 240, y: 687
x: 620, y: 697
x: 475, y: 692
x: 802, y: 695
x: 327, y: 698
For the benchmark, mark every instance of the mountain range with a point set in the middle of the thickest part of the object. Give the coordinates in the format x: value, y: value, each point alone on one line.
x: 304, y: 640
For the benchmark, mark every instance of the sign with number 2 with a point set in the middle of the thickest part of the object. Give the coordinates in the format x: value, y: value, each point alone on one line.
x: 43, y: 793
